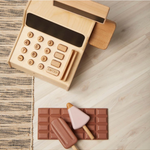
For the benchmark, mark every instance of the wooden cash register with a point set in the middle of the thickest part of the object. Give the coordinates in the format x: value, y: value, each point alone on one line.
x: 54, y: 35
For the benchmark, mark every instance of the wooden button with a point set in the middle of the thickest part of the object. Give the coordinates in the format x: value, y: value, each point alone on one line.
x: 27, y: 42
x: 47, y: 50
x: 24, y: 50
x: 50, y: 43
x: 59, y: 56
x: 40, y: 38
x: 52, y: 71
x: 41, y: 66
x: 37, y: 46
x: 43, y: 58
x: 56, y: 63
x: 30, y: 34
x: 62, y: 48
x: 30, y: 62
x: 34, y: 54
x: 20, y: 58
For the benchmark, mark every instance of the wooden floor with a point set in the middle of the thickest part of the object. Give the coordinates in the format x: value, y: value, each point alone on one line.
x: 117, y: 79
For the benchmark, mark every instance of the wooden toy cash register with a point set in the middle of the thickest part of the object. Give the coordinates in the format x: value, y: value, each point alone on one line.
x: 54, y: 35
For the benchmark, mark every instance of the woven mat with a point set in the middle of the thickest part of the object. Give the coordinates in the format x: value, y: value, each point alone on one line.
x: 16, y: 87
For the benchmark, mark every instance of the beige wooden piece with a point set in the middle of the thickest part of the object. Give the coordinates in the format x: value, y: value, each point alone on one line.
x: 20, y: 58
x: 24, y: 50
x: 37, y: 46
x: 40, y: 38
x: 69, y: 105
x: 102, y: 34
x: 74, y: 147
x: 34, y: 54
x: 88, y: 132
x: 41, y: 66
x: 55, y: 63
x: 44, y: 58
x: 30, y: 34
x: 50, y: 43
x: 70, y: 64
x: 62, y: 48
x: 45, y: 9
x: 27, y: 42
x: 88, y: 6
x: 52, y: 71
x: 59, y: 55
x: 47, y: 50
x: 30, y: 62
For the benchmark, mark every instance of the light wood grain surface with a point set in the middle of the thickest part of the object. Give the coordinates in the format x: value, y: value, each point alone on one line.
x: 117, y: 79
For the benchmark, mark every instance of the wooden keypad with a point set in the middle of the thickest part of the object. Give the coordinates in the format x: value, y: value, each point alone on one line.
x: 45, y: 54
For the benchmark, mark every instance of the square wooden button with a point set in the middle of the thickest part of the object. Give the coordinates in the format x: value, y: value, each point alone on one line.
x: 62, y: 48
x: 56, y: 63
x: 59, y: 56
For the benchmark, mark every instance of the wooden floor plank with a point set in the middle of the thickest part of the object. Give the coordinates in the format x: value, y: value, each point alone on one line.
x: 117, y: 79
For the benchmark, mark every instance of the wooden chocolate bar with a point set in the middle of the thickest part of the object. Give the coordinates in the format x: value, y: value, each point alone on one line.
x: 98, y: 124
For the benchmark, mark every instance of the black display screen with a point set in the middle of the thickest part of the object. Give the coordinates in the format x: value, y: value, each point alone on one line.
x: 55, y: 30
